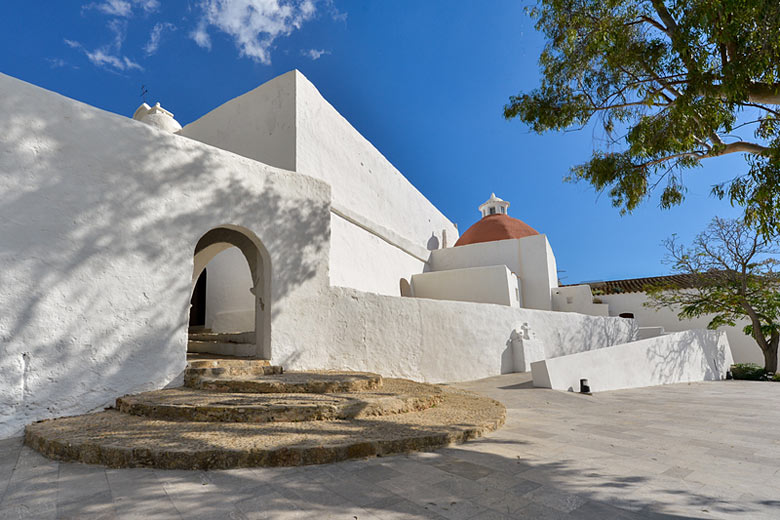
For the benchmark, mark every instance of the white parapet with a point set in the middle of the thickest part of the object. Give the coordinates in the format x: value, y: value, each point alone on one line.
x: 491, y: 284
x: 682, y: 357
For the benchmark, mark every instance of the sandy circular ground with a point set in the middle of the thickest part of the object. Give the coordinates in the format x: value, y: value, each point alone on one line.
x: 117, y: 439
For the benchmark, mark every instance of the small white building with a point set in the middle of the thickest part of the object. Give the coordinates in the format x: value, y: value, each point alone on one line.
x: 317, y: 253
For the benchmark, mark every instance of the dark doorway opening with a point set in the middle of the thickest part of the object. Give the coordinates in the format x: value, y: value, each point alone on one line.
x: 198, y: 302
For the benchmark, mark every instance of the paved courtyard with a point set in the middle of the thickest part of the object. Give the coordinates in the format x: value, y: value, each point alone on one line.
x: 705, y: 450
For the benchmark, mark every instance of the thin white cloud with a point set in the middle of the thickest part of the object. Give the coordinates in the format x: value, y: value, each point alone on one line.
x: 105, y: 57
x: 156, y: 35
x: 253, y: 24
x: 123, y: 8
x: 315, y: 54
x: 119, y: 28
x: 101, y: 58
x: 112, y: 7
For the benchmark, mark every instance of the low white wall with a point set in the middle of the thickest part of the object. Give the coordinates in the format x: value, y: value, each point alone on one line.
x: 492, y: 284
x: 431, y: 340
x: 230, y: 306
x: 743, y: 347
x: 530, y: 258
x: 577, y: 298
x: 694, y: 355
x: 363, y: 261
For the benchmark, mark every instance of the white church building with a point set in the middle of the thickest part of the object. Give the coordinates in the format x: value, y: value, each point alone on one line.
x: 270, y: 228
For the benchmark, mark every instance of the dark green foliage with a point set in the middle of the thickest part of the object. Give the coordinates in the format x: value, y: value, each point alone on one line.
x: 749, y: 371
x: 671, y: 82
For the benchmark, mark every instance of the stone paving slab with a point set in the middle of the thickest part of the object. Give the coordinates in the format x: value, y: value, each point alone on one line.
x: 550, y: 456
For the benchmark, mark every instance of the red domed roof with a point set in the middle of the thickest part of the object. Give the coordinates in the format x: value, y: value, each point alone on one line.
x: 495, y: 227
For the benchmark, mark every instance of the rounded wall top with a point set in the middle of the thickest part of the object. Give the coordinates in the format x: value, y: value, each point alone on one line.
x: 157, y: 117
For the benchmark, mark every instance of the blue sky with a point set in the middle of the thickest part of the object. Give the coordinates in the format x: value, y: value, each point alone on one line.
x: 424, y: 81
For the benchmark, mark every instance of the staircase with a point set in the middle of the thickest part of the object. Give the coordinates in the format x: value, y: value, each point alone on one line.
x: 232, y: 344
x: 246, y: 412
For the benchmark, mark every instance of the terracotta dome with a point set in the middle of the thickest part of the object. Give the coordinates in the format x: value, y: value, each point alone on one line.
x: 495, y: 227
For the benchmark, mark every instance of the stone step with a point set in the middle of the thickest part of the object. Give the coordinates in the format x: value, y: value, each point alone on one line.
x: 198, y: 369
x: 120, y: 440
x: 324, y: 382
x: 221, y: 348
x: 183, y: 404
x: 210, y: 360
x: 223, y: 337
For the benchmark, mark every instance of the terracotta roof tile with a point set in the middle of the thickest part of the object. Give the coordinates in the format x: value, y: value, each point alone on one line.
x: 495, y: 227
x: 632, y: 285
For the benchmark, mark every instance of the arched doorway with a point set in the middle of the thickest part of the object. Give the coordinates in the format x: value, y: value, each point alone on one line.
x: 214, y: 242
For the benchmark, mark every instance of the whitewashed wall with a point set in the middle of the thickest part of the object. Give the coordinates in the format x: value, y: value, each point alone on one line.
x: 230, y: 306
x: 363, y: 261
x: 287, y: 123
x: 682, y: 357
x: 530, y: 258
x: 577, y: 298
x: 259, y: 124
x: 362, y: 179
x: 431, y: 340
x: 99, y: 218
x: 743, y: 347
x: 491, y: 284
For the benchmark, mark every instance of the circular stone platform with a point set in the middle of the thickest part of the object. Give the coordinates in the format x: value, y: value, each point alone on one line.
x: 118, y: 439
x: 324, y: 382
x: 184, y: 404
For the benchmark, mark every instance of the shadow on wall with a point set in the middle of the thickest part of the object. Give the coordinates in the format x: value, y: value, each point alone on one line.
x: 590, y: 334
x: 672, y: 360
x: 99, y: 218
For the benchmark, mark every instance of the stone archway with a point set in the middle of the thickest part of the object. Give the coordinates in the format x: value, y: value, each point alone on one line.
x: 224, y: 237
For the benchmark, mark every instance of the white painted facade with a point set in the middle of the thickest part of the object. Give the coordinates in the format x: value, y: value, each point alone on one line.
x: 652, y: 322
x: 491, y: 284
x: 577, y: 298
x: 743, y: 347
x: 306, y: 231
x: 681, y: 357
x: 529, y: 258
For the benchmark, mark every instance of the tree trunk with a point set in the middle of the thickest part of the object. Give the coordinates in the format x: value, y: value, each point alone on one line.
x: 770, y: 352
x: 770, y: 360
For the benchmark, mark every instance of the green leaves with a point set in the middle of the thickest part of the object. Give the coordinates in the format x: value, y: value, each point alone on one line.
x: 677, y: 76
x: 730, y: 273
